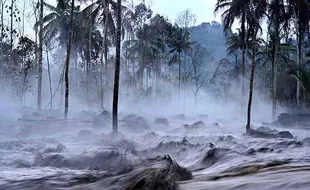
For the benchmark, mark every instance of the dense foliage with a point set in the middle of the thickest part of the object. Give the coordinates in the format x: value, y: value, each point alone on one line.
x: 157, y: 54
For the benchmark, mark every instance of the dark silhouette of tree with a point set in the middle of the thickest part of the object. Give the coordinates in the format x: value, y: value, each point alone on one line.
x: 117, y: 67
x: 68, y: 61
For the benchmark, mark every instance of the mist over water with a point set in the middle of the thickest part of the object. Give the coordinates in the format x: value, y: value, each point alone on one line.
x: 39, y: 150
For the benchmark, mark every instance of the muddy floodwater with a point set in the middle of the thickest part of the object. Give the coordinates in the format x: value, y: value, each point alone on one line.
x: 190, y: 152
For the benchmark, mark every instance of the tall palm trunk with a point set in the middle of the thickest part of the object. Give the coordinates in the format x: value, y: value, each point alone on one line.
x: 12, y: 19
x: 275, y: 75
x: 299, y: 54
x: 248, y: 125
x: 243, y: 56
x: 105, y: 42
x: 1, y: 53
x: 68, y: 61
x: 40, y: 57
x: 117, y: 67
x: 88, y: 62
x: 179, y: 89
x: 49, y: 77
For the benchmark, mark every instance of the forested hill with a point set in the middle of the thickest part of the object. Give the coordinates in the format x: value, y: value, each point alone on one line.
x: 212, y: 37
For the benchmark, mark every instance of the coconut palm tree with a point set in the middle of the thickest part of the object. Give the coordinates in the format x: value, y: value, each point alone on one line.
x: 234, y: 43
x: 147, y: 45
x: 117, y: 67
x: 68, y: 60
x: 179, y: 43
x: 278, y: 22
x: 257, y: 12
x: 300, y: 12
x: 303, y: 77
x: 89, y: 43
x: 235, y: 9
x: 107, y: 11
x: 40, y: 56
x: 56, y: 23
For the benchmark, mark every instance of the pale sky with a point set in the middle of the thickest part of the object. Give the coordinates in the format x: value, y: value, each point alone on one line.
x: 204, y: 9
x: 171, y: 8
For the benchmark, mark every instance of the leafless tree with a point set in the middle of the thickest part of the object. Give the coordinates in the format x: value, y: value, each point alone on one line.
x: 197, y: 68
x: 186, y: 19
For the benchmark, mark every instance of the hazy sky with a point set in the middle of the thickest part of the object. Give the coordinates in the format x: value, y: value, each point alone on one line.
x: 202, y: 8
x: 171, y: 8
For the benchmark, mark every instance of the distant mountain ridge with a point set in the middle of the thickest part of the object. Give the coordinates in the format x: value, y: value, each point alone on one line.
x: 212, y: 37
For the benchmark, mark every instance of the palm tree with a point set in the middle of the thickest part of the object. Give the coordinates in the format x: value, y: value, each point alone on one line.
x: 40, y: 56
x: 235, y: 9
x: 303, y: 77
x: 107, y: 10
x: 89, y: 34
x: 234, y: 43
x: 117, y: 67
x: 179, y: 43
x: 147, y: 45
x: 68, y: 60
x: 56, y: 23
x: 300, y: 12
x: 257, y: 10
x: 278, y: 21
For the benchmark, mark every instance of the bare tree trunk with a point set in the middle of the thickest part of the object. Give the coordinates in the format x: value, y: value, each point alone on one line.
x: 101, y: 77
x: 1, y: 53
x: 133, y: 77
x: 117, y: 68
x: 40, y: 57
x: 36, y: 32
x: 101, y: 86
x: 105, y: 43
x: 87, y: 80
x: 179, y: 78
x: 248, y: 125
x: 298, y: 65
x: 195, y: 94
x: 62, y: 87
x: 12, y: 17
x: 275, y: 67
x: 68, y: 62
x: 23, y: 62
x: 275, y: 77
x: 243, y: 58
x: 49, y: 77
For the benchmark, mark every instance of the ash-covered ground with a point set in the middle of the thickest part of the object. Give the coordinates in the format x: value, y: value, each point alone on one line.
x: 193, y: 151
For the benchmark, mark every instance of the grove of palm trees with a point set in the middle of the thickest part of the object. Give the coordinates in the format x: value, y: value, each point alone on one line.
x: 115, y: 94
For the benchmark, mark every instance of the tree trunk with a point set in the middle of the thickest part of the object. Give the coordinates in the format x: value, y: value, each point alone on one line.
x: 68, y: 62
x: 243, y: 58
x: 24, y: 89
x: 236, y: 62
x: 248, y: 125
x: 12, y: 18
x: 101, y: 73
x: 275, y: 77
x: 133, y: 77
x: 40, y: 57
x: 105, y: 43
x: 179, y: 78
x: 49, y: 77
x: 299, y: 42
x: 195, y: 94
x: 1, y: 53
x: 275, y: 66
x: 117, y: 68
x: 87, y: 79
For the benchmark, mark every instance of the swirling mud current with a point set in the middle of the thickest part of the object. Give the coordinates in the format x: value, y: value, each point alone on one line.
x: 169, y: 154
